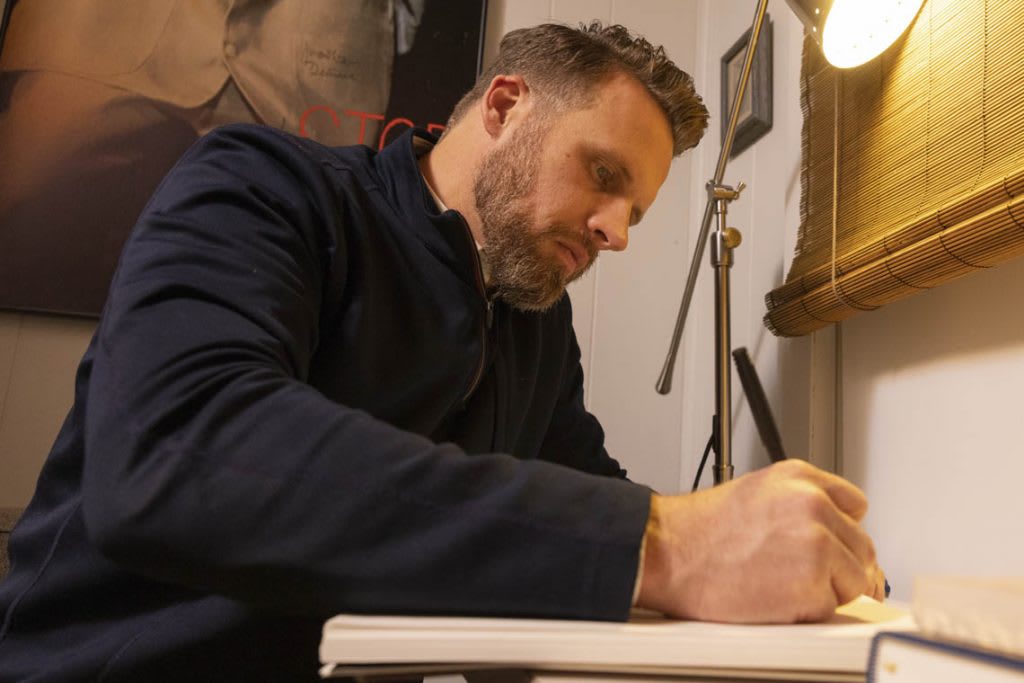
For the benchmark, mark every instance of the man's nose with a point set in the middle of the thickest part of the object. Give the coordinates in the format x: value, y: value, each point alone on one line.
x: 609, y: 225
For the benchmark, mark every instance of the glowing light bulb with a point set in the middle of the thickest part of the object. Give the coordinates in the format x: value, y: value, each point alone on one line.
x: 856, y: 31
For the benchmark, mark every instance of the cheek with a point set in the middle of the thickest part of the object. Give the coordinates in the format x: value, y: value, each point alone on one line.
x: 565, y: 207
x: 562, y: 191
x: 545, y: 218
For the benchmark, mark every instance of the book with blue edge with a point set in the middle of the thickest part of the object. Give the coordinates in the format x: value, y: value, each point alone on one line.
x: 986, y: 612
x: 902, y: 657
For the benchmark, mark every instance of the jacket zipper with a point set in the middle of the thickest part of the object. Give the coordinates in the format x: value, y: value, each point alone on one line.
x: 488, y: 317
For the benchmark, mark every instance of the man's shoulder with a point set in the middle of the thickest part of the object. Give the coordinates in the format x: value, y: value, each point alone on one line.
x: 270, y: 139
x: 265, y: 156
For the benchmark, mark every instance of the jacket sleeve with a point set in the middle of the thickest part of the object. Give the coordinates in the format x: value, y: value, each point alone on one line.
x: 211, y: 463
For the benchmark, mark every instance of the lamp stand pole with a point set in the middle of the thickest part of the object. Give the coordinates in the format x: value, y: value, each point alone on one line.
x: 723, y: 243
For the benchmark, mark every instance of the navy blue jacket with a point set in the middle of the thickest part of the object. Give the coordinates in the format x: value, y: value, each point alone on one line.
x: 299, y: 402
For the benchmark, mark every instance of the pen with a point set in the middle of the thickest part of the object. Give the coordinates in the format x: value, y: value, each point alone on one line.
x: 758, y: 402
x: 762, y: 412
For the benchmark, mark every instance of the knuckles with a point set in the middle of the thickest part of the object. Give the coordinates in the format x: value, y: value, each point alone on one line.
x: 813, y: 504
x: 793, y: 468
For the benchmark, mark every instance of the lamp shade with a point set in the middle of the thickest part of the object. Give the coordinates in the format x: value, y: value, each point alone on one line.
x: 852, y: 32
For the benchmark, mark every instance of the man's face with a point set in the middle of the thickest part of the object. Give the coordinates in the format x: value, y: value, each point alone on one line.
x: 563, y: 187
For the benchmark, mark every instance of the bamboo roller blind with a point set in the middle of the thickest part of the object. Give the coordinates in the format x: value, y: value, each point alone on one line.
x: 930, y: 171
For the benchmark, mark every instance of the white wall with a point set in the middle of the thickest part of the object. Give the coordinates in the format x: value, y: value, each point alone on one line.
x: 932, y: 427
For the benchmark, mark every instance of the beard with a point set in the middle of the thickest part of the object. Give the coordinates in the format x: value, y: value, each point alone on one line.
x: 525, y: 268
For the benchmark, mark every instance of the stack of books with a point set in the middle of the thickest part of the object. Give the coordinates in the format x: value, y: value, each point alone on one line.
x: 969, y: 629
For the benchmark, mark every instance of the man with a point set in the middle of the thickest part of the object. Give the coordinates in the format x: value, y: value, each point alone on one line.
x: 331, y: 380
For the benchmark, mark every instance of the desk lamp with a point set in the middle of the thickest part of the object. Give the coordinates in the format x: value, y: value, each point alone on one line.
x: 850, y: 33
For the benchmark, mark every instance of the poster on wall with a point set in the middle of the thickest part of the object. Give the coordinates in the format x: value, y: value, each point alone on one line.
x: 98, y: 100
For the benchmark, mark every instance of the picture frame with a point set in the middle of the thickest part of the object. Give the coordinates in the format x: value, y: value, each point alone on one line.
x: 338, y: 73
x: 755, y: 117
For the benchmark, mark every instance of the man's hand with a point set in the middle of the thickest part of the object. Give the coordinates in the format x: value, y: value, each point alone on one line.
x: 782, y: 544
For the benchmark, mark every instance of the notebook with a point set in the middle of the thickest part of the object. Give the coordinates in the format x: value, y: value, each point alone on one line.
x: 648, y: 643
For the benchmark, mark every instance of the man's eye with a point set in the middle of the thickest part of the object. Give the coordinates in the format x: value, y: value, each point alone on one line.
x: 603, y: 175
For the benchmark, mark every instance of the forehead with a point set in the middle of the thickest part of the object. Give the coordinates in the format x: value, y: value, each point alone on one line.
x: 626, y: 122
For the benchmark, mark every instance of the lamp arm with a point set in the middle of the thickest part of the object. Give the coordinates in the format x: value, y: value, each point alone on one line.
x: 664, y: 384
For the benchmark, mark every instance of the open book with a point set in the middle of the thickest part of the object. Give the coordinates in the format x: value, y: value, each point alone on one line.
x: 648, y: 643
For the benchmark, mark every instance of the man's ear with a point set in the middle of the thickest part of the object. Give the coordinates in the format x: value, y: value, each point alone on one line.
x: 506, y: 99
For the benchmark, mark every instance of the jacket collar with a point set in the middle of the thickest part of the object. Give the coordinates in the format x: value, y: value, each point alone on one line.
x: 446, y: 234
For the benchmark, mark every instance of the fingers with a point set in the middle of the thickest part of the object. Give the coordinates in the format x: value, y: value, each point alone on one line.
x: 854, y: 539
x: 877, y: 583
x: 849, y: 551
x: 850, y: 577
